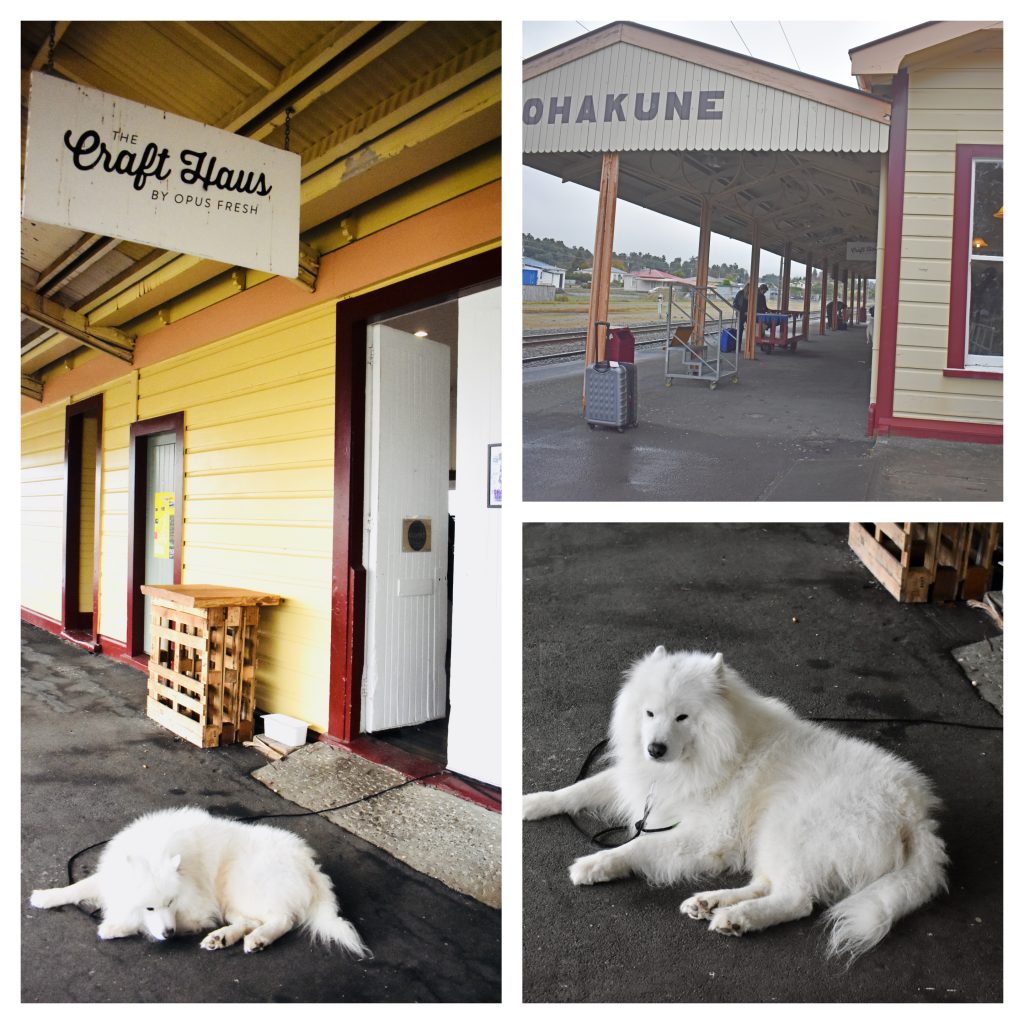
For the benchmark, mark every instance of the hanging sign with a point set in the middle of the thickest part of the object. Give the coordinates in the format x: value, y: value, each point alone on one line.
x: 114, y: 167
x: 861, y: 250
x: 163, y: 524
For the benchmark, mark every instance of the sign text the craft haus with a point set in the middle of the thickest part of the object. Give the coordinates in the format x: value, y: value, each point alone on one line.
x: 705, y: 105
x: 89, y: 151
x: 108, y: 165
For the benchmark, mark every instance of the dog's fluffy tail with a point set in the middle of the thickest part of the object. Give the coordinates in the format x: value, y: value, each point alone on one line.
x: 864, y: 918
x: 326, y: 925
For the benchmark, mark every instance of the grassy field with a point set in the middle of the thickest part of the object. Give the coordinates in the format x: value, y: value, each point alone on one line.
x: 623, y: 308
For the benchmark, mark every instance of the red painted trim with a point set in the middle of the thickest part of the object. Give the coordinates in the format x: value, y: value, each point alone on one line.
x: 117, y: 651
x: 413, y: 766
x: 138, y: 433
x: 78, y: 625
x: 888, y: 318
x: 959, y: 269
x: 940, y: 430
x: 950, y: 371
x: 41, y: 621
x: 347, y: 576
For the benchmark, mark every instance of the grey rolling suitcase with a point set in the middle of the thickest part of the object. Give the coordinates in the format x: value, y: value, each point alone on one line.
x: 611, y: 395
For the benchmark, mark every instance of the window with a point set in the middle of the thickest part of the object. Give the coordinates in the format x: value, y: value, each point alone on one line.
x: 976, y: 285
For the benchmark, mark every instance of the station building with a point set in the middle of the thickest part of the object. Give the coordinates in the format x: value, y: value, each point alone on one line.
x: 895, y: 185
x: 331, y: 437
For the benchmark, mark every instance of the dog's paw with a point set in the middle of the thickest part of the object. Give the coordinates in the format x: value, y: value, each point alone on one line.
x: 729, y: 921
x: 698, y: 906
x: 215, y: 940
x: 539, y: 805
x: 253, y: 944
x: 46, y: 898
x: 110, y: 930
x: 591, y: 869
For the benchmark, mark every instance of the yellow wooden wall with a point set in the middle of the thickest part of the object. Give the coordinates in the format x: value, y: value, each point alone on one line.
x: 259, y: 484
x: 953, y: 100
x: 259, y: 480
x: 42, y: 509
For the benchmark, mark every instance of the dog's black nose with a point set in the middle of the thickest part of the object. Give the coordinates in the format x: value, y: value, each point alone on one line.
x: 656, y: 750
x: 169, y: 933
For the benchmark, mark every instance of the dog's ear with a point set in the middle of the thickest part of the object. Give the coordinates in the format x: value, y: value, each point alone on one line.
x: 659, y: 651
x: 175, y: 861
x: 718, y: 662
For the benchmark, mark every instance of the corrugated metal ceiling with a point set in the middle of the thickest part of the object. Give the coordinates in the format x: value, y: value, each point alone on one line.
x: 342, y: 79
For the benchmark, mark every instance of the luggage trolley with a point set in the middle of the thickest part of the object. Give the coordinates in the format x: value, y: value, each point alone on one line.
x: 690, y: 354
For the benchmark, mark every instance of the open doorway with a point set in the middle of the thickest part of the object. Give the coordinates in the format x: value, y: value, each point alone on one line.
x: 156, y: 487
x: 408, y: 529
x: 83, y: 492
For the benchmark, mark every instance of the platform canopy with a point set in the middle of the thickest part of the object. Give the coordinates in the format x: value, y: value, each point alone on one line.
x: 695, y: 125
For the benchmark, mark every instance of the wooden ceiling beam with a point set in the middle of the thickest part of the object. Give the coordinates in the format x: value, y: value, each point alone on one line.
x: 229, y: 48
x: 48, y: 313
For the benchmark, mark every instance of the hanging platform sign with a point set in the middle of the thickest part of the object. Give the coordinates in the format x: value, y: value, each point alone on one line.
x: 100, y: 163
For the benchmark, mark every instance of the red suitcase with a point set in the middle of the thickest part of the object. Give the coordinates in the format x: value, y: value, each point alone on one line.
x: 620, y: 345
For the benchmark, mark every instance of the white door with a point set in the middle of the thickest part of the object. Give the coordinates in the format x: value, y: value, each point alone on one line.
x: 405, y: 529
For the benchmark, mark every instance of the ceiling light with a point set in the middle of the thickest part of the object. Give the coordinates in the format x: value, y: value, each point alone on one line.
x: 420, y: 334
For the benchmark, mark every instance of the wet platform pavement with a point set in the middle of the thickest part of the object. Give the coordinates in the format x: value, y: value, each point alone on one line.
x: 793, y: 428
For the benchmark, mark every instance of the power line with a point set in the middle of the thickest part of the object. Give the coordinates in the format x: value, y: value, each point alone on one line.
x: 742, y: 40
x: 790, y: 45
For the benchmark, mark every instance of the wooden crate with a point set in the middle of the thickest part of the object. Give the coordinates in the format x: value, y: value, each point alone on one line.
x: 202, y: 665
x: 919, y: 562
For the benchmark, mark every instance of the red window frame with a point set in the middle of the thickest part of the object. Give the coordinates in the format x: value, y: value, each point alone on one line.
x: 960, y: 261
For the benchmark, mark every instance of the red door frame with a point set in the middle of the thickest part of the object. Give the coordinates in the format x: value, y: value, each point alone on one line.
x: 80, y: 627
x: 348, y: 579
x: 138, y: 436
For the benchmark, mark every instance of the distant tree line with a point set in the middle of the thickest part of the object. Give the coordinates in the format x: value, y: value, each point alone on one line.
x: 575, y: 258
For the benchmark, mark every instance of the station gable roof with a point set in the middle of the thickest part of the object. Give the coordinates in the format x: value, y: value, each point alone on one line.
x: 797, y: 154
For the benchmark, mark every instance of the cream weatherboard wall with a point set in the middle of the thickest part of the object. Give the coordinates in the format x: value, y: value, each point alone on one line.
x: 953, y: 100
x: 259, y: 435
x: 42, y: 509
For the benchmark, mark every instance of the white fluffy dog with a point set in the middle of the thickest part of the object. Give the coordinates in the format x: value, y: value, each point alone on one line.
x: 187, y: 871
x: 742, y: 784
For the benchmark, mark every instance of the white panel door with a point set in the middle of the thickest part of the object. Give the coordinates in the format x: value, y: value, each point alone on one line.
x: 405, y: 529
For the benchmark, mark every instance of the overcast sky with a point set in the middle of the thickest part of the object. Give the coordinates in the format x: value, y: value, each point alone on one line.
x: 568, y: 212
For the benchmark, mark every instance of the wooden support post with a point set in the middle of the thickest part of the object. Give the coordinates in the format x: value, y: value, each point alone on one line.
x: 807, y: 297
x: 703, y: 256
x: 755, y: 270
x: 600, y: 283
x: 824, y: 296
x: 787, y: 266
x: 835, y: 296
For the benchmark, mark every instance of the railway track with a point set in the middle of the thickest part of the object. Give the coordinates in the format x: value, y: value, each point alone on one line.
x: 540, y: 346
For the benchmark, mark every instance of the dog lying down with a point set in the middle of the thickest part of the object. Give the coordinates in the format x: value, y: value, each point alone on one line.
x: 184, y: 871
x: 739, y: 783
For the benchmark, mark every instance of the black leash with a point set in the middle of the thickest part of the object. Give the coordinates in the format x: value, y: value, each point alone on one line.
x: 640, y: 827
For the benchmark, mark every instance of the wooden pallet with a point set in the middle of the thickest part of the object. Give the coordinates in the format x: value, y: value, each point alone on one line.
x: 919, y: 562
x: 202, y: 667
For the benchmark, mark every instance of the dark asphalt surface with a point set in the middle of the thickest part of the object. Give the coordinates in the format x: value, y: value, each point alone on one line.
x: 92, y: 762
x: 792, y: 429
x: 597, y: 596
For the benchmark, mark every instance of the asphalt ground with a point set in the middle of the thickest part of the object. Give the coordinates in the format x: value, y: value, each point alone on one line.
x: 92, y: 762
x: 793, y: 428
x: 796, y: 613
